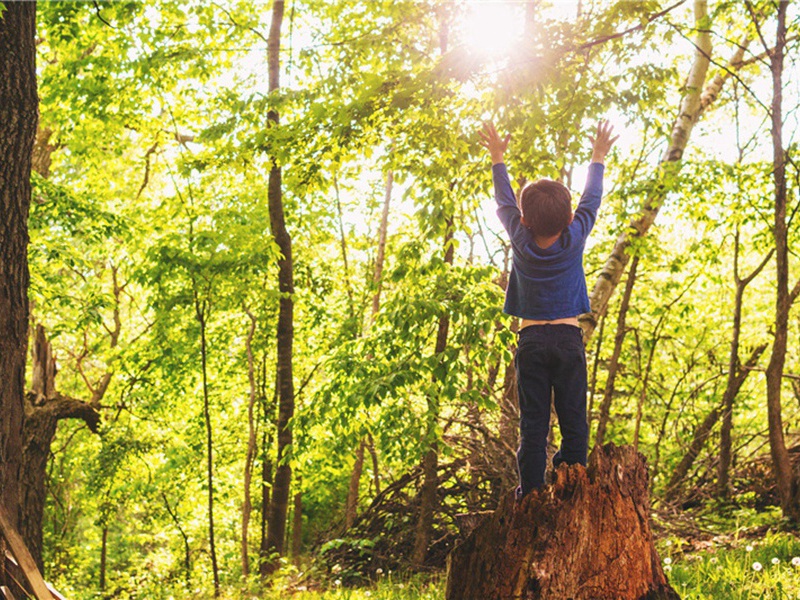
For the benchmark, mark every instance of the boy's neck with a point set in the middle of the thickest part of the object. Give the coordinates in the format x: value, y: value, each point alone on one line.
x: 546, y: 242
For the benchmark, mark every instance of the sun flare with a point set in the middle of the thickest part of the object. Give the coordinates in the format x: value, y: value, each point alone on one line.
x: 492, y: 27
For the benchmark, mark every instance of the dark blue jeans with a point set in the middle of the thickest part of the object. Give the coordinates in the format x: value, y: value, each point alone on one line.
x: 550, y: 362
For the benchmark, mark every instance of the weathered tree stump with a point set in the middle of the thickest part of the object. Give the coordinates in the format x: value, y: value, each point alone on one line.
x: 585, y: 537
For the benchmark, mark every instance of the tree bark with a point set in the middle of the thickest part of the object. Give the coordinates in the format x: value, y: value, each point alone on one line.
x: 44, y: 408
x: 247, y: 506
x: 585, y: 537
x: 276, y: 527
x: 266, y: 486
x: 351, y: 505
x: 430, y: 460
x: 613, y: 366
x: 18, y: 120
x: 352, y: 493
x: 736, y: 375
x: 38, y: 433
x: 690, y: 111
x: 103, y: 557
x: 297, y: 524
x: 382, y: 231
x: 703, y: 430
x: 201, y: 310
x: 787, y: 480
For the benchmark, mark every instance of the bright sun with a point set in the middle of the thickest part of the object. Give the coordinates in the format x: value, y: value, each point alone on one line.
x: 492, y: 27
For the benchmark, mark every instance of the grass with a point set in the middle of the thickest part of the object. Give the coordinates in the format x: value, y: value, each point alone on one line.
x: 749, y: 570
x: 724, y: 568
x: 724, y: 572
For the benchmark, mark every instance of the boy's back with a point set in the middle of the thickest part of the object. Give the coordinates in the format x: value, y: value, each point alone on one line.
x: 547, y: 283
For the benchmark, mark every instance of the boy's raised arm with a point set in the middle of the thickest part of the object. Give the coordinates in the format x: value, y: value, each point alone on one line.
x: 586, y: 213
x: 602, y: 141
x: 493, y: 142
x: 507, y: 209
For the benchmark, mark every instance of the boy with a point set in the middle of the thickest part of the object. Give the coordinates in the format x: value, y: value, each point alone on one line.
x: 547, y: 290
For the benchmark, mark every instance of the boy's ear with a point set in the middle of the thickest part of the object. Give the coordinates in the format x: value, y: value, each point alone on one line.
x: 522, y: 220
x: 571, y: 218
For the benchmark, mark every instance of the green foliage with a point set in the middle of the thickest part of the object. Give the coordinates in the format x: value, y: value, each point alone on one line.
x: 153, y: 222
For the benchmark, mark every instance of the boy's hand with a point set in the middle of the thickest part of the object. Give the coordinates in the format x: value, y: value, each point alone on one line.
x: 603, y: 141
x: 493, y: 142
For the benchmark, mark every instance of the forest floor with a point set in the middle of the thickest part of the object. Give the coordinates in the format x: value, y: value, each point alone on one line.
x: 718, y: 554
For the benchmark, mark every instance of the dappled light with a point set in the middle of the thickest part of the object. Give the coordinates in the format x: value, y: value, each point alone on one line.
x: 392, y: 300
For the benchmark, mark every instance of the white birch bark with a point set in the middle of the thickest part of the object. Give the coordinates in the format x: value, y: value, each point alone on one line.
x: 690, y: 111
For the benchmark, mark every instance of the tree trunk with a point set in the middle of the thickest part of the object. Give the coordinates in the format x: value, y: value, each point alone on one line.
x: 382, y: 231
x: 247, y: 506
x: 297, y: 523
x: 373, y: 453
x: 201, y: 313
x: 187, y: 556
x: 18, y: 121
x: 786, y: 478
x: 690, y: 111
x: 276, y: 527
x: 585, y: 537
x: 613, y: 367
x: 103, y: 556
x: 351, y: 505
x: 266, y: 486
x: 352, y: 494
x: 736, y: 375
x: 430, y: 461
x: 44, y: 408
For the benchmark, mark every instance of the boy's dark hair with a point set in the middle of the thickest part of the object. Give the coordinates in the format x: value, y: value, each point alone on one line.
x: 546, y: 207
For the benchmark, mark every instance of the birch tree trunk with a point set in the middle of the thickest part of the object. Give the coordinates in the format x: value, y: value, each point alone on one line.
x: 379, y: 258
x: 690, y: 111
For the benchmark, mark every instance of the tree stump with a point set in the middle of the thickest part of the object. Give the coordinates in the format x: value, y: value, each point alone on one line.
x: 585, y: 537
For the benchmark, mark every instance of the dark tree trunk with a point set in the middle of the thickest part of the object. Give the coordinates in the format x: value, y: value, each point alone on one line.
x: 103, y: 557
x: 613, y: 367
x: 351, y: 506
x: 276, y: 527
x: 266, y: 486
x: 585, y: 537
x: 187, y: 555
x: 297, y: 523
x: 18, y: 120
x: 782, y: 467
x: 430, y: 460
x: 247, y: 506
x: 201, y: 308
x: 44, y: 408
x: 736, y: 375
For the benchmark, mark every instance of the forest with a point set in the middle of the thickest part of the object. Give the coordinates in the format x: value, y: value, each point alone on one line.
x: 252, y: 339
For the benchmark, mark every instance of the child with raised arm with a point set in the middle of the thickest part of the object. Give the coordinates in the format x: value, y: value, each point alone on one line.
x: 547, y: 290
